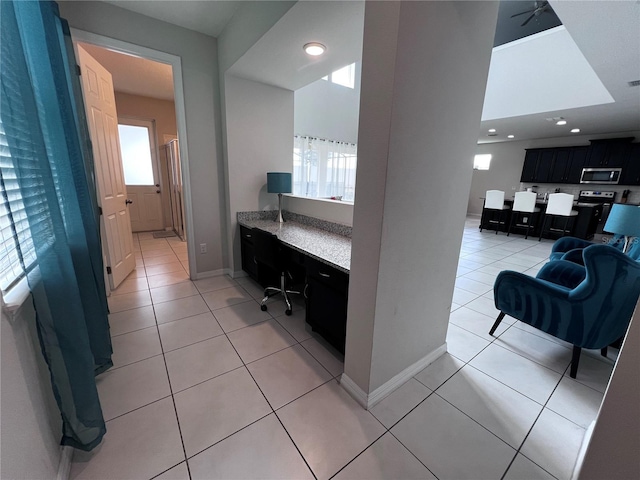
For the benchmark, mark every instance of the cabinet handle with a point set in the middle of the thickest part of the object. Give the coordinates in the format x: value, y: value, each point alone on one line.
x: 248, y: 235
x: 325, y: 275
x: 255, y: 261
x: 304, y: 292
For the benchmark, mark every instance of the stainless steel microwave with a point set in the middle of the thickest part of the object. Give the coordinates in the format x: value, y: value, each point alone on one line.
x: 603, y: 176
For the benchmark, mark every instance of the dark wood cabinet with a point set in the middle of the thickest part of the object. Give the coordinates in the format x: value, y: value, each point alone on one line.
x: 326, y: 288
x: 249, y: 264
x: 565, y: 164
x: 608, y: 153
x: 530, y: 167
x: 326, y: 292
x: 631, y: 172
x: 578, y: 157
x: 561, y: 165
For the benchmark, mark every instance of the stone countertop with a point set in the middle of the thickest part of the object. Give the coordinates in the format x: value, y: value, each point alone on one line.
x: 327, y: 247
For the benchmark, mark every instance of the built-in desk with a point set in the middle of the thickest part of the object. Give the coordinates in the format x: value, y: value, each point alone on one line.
x: 323, y: 254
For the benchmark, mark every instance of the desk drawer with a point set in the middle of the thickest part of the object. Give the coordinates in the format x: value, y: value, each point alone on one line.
x: 328, y: 275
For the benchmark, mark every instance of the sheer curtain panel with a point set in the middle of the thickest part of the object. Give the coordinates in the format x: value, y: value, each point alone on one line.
x: 324, y: 168
x: 46, y: 165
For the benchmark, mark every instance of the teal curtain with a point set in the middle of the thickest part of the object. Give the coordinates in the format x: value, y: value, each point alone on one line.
x: 52, y: 168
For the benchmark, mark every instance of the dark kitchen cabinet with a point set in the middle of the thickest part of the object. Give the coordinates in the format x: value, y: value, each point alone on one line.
x: 326, y: 292
x: 561, y: 165
x: 249, y: 264
x: 578, y: 157
x: 608, y: 153
x: 530, y: 167
x: 631, y: 172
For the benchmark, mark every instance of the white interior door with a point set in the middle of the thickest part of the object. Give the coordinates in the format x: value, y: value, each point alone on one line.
x: 141, y: 173
x: 102, y: 118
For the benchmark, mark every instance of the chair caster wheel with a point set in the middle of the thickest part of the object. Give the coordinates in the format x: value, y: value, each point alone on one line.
x: 287, y: 312
x: 263, y: 308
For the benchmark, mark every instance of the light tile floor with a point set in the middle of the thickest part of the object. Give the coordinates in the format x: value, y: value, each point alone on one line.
x: 205, y: 385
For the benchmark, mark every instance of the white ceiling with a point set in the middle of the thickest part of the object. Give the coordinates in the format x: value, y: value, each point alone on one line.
x: 135, y: 75
x: 208, y: 17
x: 551, y: 78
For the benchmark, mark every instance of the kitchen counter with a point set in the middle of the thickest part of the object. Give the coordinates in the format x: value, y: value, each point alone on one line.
x: 330, y: 248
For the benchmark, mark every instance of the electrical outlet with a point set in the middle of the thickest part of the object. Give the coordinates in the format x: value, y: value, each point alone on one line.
x: 203, y: 248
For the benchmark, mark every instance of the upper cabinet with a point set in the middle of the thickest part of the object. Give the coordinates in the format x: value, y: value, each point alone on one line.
x: 631, y: 172
x: 609, y: 153
x: 565, y: 164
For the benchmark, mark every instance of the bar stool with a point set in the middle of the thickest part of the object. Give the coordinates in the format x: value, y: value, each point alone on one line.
x: 494, y: 205
x: 560, y: 205
x: 524, y: 212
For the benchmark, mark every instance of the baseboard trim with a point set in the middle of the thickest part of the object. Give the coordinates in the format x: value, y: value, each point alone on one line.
x: 577, y: 467
x: 212, y: 273
x: 238, y: 274
x: 64, y: 467
x: 370, y: 400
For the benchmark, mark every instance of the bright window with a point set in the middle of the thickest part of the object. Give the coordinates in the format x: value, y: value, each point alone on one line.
x: 17, y: 253
x: 324, y: 168
x: 482, y: 162
x: 135, y: 147
x: 345, y: 76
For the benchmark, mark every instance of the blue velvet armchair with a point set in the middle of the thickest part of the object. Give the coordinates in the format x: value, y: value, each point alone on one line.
x: 592, y: 313
x: 570, y: 248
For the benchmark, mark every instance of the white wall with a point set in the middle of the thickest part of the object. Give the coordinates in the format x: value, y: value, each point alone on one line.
x: 327, y: 110
x: 198, y: 54
x: 30, y: 423
x: 507, y: 161
x: 330, y: 210
x: 613, y: 450
x: 259, y: 122
x: 408, y: 215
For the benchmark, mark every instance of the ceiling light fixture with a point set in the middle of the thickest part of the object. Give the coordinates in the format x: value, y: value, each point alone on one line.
x: 561, y: 122
x: 314, y: 49
x: 510, y: 136
x: 492, y: 130
x: 575, y: 130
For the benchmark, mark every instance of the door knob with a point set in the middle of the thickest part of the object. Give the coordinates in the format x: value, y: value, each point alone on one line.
x: 158, y: 191
x: 128, y: 202
x: 157, y: 184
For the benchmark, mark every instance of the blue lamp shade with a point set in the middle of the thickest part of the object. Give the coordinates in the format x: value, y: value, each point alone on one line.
x: 624, y: 220
x: 278, y: 182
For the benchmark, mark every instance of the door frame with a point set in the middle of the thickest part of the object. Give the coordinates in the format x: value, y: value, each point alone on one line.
x: 181, y: 123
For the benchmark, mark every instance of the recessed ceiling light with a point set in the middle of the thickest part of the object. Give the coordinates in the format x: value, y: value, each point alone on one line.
x: 575, y: 130
x: 561, y: 122
x: 492, y: 130
x: 314, y: 49
x: 510, y: 136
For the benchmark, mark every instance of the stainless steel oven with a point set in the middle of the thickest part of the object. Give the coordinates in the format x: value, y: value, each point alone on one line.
x: 603, y: 176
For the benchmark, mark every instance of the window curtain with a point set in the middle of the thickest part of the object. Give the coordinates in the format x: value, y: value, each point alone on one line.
x: 324, y: 168
x: 51, y: 168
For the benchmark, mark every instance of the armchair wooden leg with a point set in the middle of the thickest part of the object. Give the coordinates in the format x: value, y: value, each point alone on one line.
x: 603, y: 351
x: 496, y: 323
x: 575, y: 359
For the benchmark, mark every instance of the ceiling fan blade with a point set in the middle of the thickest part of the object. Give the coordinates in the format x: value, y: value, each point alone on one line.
x: 528, y: 19
x: 521, y: 13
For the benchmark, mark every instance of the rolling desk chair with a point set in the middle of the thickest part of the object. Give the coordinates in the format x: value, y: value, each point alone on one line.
x: 270, y: 253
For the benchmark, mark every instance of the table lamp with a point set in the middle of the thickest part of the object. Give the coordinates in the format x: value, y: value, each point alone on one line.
x: 279, y: 182
x: 624, y: 220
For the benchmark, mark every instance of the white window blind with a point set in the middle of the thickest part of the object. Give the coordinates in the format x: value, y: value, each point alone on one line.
x: 17, y: 253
